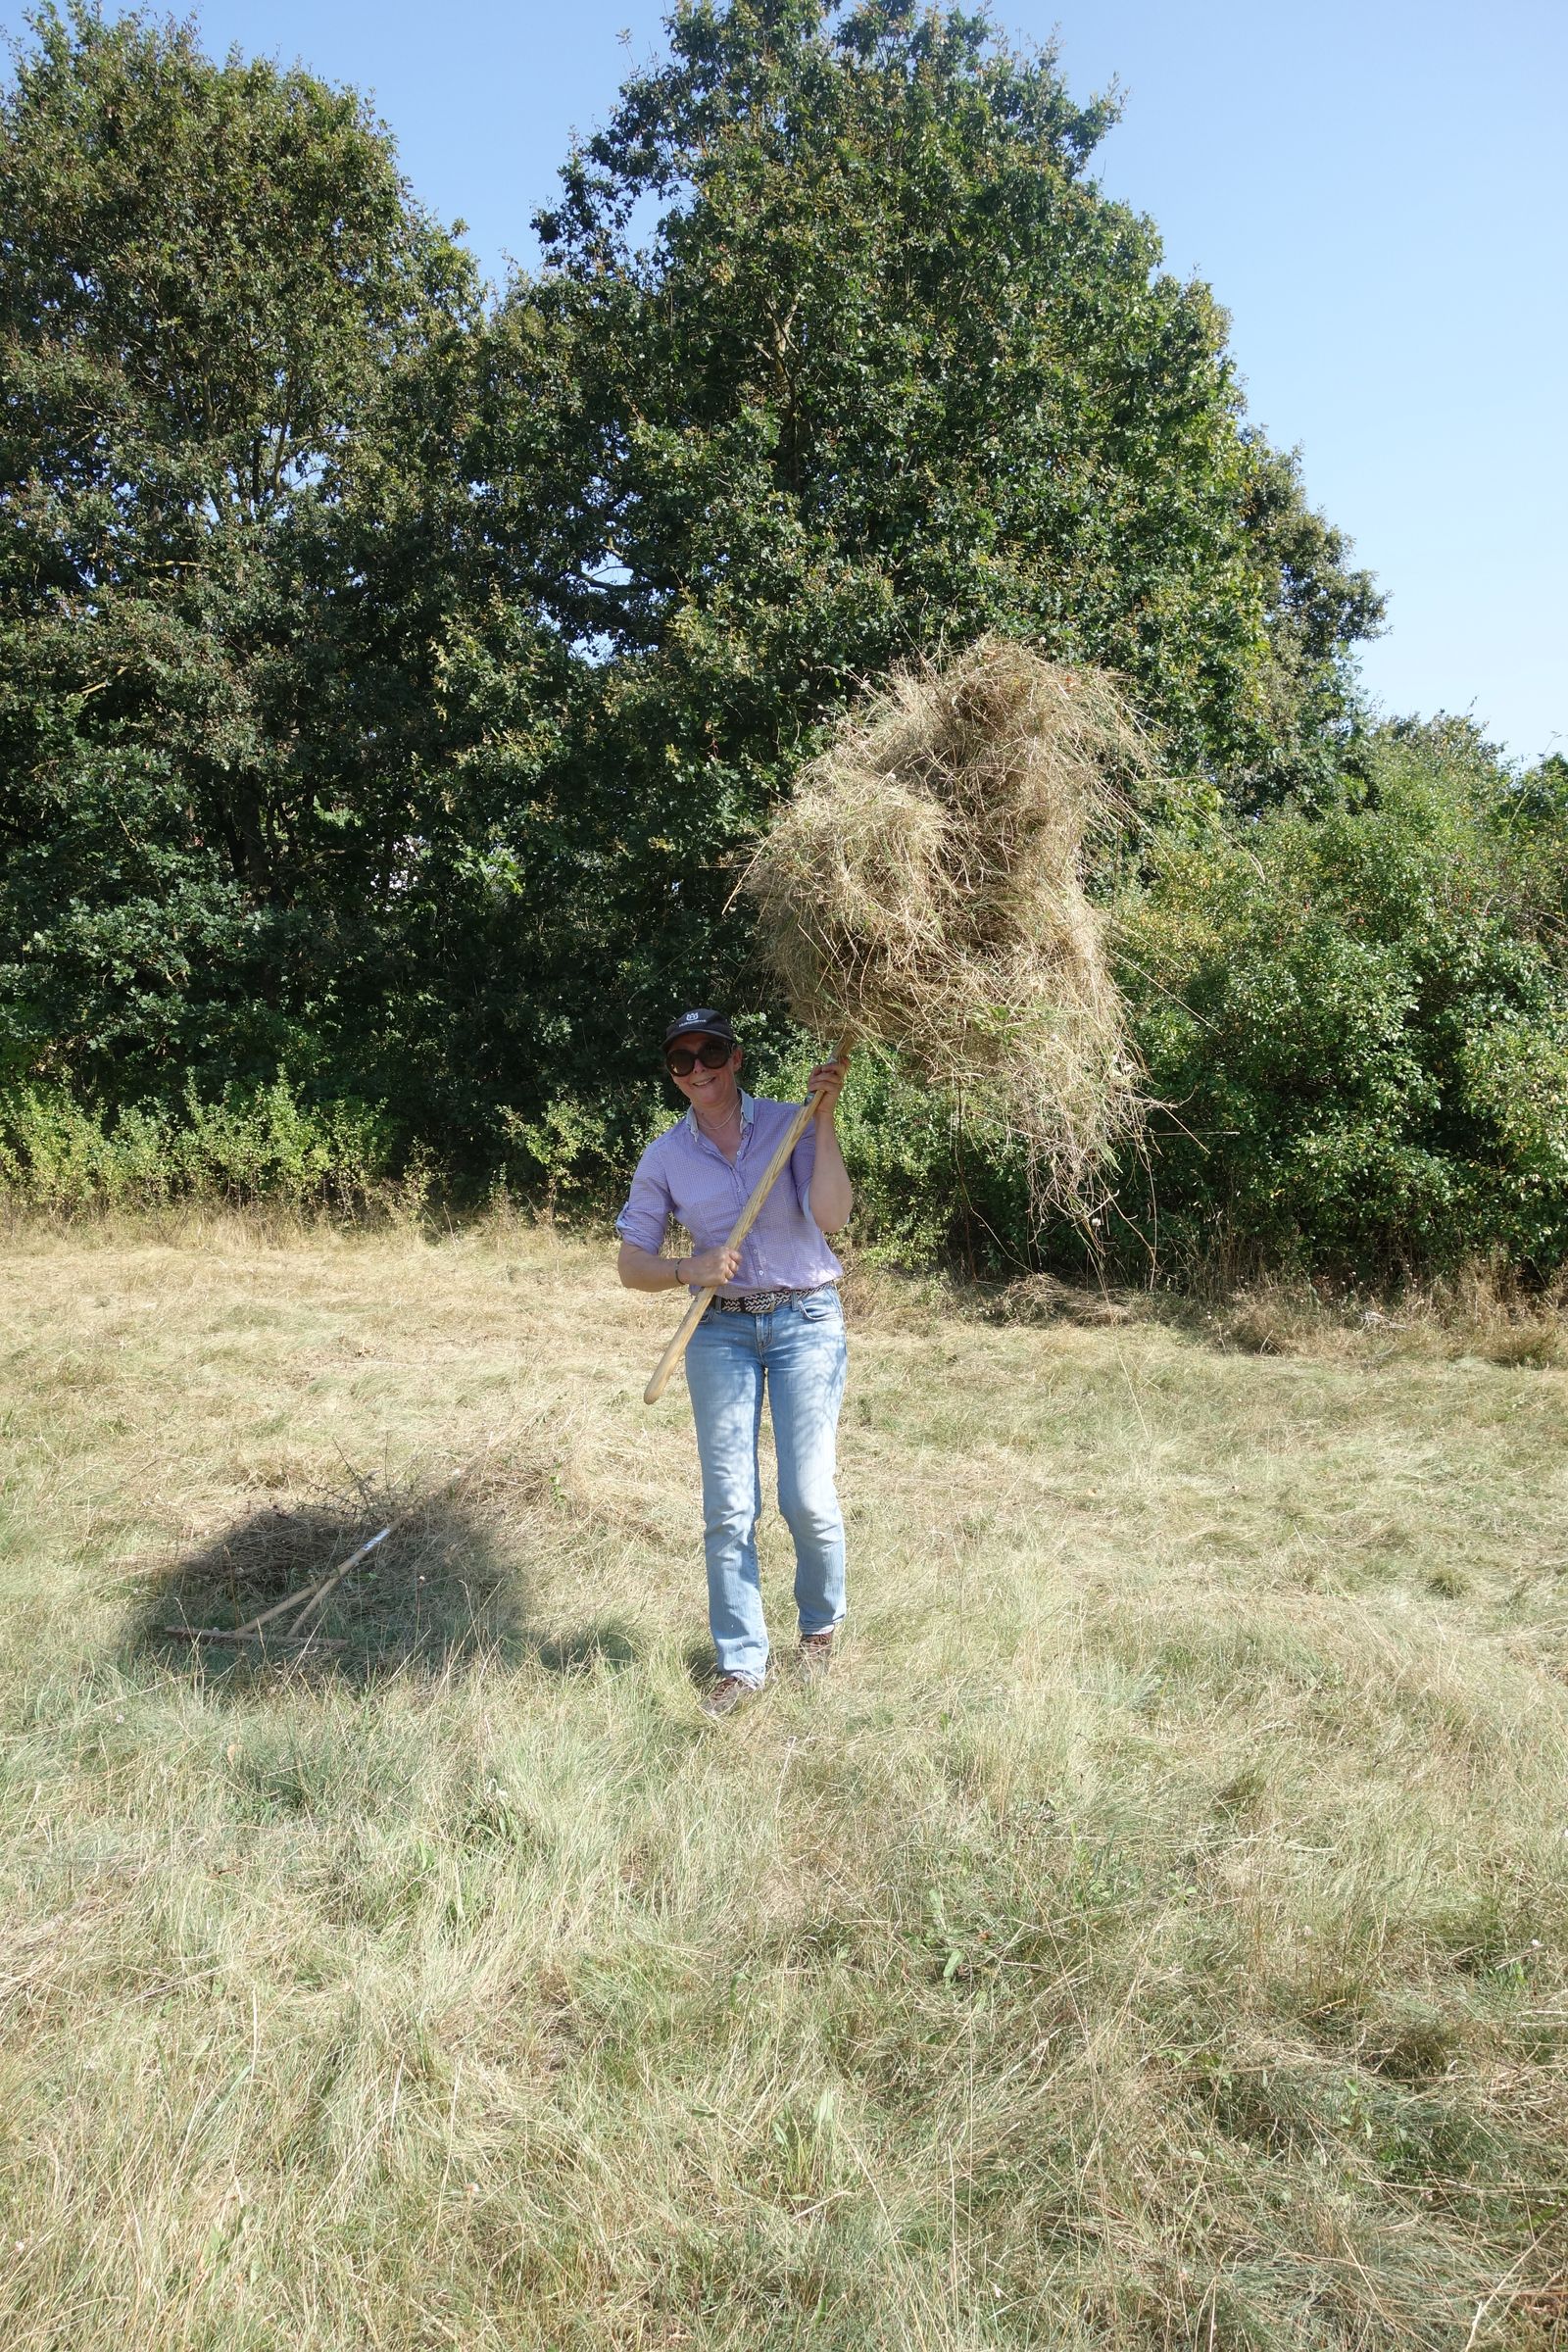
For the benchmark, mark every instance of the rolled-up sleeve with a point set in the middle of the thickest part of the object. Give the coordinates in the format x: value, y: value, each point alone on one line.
x: 645, y: 1218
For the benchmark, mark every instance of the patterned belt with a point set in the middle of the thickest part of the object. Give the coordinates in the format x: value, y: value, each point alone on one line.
x: 762, y: 1303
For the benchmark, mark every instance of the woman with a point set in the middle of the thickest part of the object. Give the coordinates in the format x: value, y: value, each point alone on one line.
x: 776, y: 1325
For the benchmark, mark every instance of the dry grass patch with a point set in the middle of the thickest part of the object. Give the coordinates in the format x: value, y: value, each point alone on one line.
x: 1151, y: 1938
x: 1477, y: 1315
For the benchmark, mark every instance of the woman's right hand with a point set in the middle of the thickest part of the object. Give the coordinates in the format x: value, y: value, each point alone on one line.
x: 707, y: 1269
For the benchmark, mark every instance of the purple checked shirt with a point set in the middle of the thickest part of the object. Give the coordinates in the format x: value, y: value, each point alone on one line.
x: 684, y: 1176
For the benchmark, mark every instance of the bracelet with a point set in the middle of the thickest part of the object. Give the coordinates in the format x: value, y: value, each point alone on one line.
x: 679, y: 1276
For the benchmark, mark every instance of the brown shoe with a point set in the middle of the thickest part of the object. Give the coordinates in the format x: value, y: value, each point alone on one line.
x: 731, y: 1691
x: 815, y: 1657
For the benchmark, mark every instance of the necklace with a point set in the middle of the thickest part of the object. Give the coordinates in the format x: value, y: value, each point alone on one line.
x: 733, y: 1112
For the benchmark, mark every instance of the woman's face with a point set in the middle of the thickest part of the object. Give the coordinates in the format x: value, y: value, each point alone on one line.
x: 712, y: 1091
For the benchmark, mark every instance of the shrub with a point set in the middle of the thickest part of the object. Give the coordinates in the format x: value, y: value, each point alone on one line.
x: 258, y: 1144
x: 1358, y: 1030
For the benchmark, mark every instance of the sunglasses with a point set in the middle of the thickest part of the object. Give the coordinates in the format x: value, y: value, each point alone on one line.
x: 712, y: 1053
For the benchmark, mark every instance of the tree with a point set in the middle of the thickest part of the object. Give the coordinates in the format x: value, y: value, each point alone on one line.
x: 839, y: 355
x: 892, y: 370
x: 238, y: 360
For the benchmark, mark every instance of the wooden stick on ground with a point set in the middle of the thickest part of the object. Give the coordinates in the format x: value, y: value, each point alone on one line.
x: 329, y: 1584
x: 248, y: 1633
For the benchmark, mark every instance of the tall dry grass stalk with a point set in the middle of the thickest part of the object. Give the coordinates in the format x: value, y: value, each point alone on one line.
x: 925, y: 887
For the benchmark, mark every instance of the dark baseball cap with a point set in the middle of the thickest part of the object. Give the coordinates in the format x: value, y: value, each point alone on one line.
x: 705, y: 1022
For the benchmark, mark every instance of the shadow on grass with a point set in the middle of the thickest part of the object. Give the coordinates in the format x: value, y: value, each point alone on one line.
x: 451, y: 1587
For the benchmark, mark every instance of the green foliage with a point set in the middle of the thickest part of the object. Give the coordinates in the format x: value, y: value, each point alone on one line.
x: 248, y: 1147
x: 1357, y: 1026
x: 929, y: 1188
x: 565, y: 1158
x: 890, y: 371
x: 222, y: 268
x: 131, y: 955
x: 223, y: 610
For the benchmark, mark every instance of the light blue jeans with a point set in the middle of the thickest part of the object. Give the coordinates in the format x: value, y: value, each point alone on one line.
x: 797, y: 1353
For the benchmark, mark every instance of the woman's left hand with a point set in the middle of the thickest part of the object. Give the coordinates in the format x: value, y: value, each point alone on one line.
x: 826, y: 1083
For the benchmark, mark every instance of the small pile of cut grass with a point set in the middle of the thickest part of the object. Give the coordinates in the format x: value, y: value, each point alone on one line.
x: 925, y: 888
x: 427, y: 1590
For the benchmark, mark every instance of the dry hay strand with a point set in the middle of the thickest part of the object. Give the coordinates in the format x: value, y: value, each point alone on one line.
x: 925, y: 888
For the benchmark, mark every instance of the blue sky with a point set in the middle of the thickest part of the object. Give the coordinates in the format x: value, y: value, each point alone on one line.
x: 1377, y: 192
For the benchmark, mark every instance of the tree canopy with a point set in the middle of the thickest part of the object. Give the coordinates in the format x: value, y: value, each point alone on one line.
x: 231, y: 344
x: 864, y: 360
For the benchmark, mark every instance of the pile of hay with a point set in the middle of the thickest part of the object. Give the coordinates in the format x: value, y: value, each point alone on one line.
x: 925, y: 888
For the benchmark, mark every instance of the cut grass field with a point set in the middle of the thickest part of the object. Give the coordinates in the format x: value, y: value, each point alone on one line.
x: 1151, y: 1936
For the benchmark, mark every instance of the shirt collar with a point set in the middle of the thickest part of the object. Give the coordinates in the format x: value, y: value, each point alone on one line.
x: 746, y: 1108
